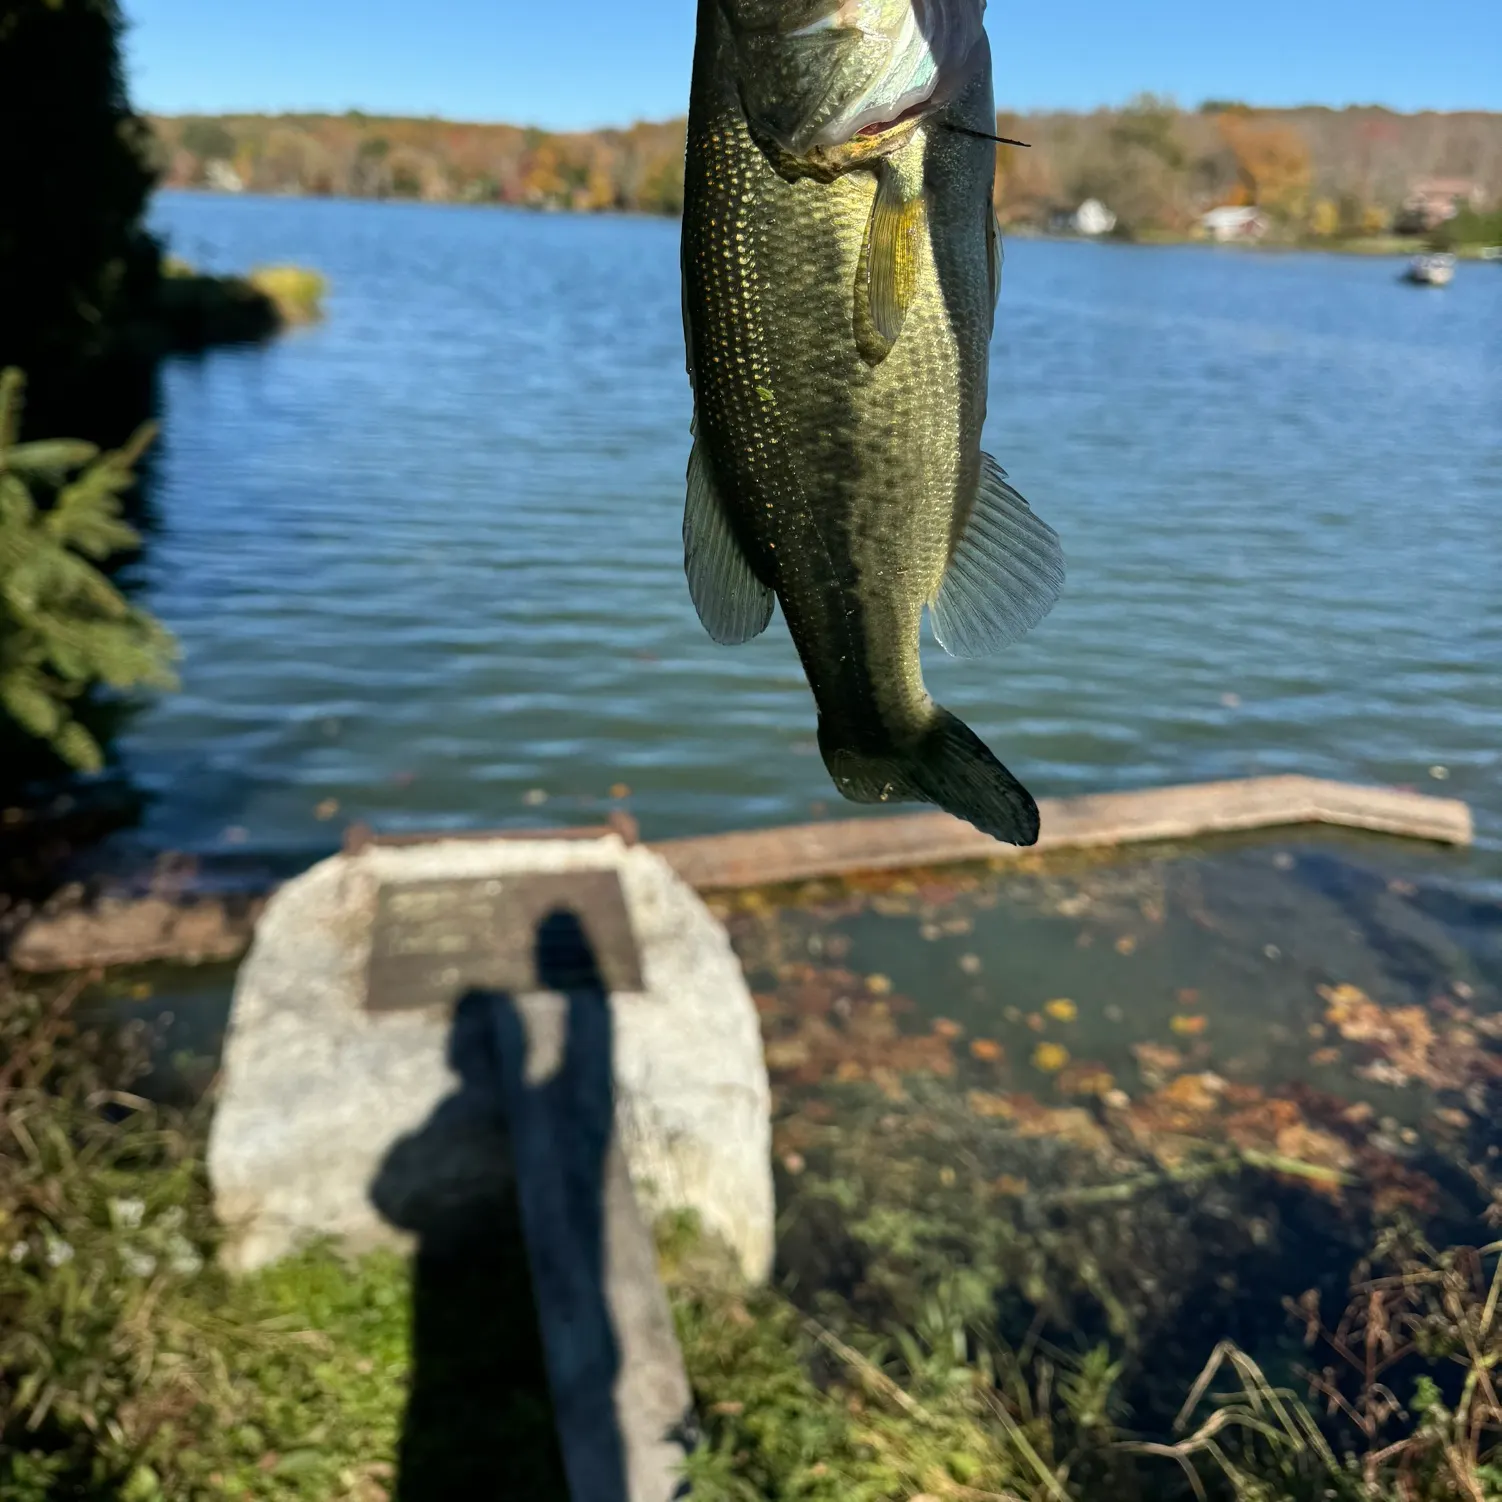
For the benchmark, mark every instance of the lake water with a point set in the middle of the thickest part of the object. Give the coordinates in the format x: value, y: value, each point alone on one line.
x: 424, y: 559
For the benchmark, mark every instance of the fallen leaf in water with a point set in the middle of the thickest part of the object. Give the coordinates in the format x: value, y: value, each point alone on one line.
x: 1086, y: 1079
x: 1012, y: 1015
x: 1061, y: 1009
x: 141, y: 990
x: 1451, y: 1117
x: 1188, y: 1027
x: 1050, y: 1057
x: 1322, y: 1058
x: 946, y: 1028
x: 1311, y: 1145
x: 534, y: 797
x: 878, y: 985
x: 1036, y: 1022
x: 327, y: 809
x: 619, y: 790
x: 1126, y: 944
x: 982, y: 1103
x: 1157, y: 1061
x: 986, y: 1048
x: 787, y: 1053
x: 970, y: 964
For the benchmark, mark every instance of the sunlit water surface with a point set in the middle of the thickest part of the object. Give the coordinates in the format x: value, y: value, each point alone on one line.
x: 424, y: 559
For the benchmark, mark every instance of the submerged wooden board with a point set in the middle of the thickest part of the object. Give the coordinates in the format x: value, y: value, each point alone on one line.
x: 802, y: 852
x: 126, y: 932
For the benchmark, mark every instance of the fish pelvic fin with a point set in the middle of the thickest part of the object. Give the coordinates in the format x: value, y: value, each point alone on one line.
x: 733, y: 604
x: 946, y: 764
x: 1004, y: 576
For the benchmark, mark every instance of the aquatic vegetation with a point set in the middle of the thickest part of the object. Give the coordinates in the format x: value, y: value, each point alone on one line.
x: 65, y: 630
x: 196, y: 310
x: 297, y: 294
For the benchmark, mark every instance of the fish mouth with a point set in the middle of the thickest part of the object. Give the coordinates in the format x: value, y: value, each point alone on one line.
x: 912, y: 113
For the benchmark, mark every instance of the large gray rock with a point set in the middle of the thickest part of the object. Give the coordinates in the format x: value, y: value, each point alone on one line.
x: 320, y: 1098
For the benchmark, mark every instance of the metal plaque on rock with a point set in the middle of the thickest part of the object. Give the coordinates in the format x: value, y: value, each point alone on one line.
x: 434, y: 940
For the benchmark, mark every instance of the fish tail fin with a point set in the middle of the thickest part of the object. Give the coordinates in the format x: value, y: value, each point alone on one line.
x: 946, y: 764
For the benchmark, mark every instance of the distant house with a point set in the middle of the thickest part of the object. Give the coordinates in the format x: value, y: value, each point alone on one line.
x: 1234, y: 222
x: 1432, y: 200
x: 1093, y: 218
x: 222, y: 177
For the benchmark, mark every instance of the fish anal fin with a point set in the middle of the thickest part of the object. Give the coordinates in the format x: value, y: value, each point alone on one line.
x: 733, y: 604
x: 1005, y: 572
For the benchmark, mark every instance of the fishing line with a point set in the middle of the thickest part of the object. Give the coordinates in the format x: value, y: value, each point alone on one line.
x: 984, y: 135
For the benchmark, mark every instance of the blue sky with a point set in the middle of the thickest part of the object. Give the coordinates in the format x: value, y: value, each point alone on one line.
x: 590, y: 62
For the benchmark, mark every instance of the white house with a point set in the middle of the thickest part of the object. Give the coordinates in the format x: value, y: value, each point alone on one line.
x: 1234, y: 222
x: 222, y: 177
x: 1093, y: 218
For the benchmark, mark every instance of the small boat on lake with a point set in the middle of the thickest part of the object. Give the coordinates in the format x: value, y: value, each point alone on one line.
x: 1436, y: 270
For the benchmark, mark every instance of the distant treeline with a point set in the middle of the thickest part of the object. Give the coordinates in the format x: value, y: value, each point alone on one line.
x: 1312, y: 170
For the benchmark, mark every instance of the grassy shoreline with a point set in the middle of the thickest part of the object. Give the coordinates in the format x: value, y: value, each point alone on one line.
x: 935, y: 1330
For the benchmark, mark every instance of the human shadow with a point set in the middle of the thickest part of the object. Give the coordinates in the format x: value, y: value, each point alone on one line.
x: 482, y: 1417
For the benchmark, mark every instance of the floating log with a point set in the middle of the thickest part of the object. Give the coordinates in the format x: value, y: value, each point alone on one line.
x: 803, y: 852
x: 118, y: 932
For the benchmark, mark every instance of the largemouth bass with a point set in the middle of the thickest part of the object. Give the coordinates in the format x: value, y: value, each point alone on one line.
x: 841, y: 263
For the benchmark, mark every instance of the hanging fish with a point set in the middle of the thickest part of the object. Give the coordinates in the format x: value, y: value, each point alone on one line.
x: 841, y: 263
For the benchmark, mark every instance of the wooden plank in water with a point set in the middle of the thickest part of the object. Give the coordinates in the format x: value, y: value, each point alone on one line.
x: 803, y: 852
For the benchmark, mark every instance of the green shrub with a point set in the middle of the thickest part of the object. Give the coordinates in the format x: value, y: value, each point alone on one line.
x: 64, y: 628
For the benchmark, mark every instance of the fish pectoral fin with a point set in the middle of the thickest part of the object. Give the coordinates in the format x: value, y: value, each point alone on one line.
x: 1004, y: 575
x: 732, y: 602
x: 894, y: 245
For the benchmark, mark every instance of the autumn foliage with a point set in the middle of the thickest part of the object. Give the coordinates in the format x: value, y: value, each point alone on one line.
x: 1312, y: 171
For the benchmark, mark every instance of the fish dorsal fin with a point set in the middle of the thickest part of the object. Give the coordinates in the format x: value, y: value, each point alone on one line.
x: 1004, y: 575
x: 894, y: 247
x: 732, y: 602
